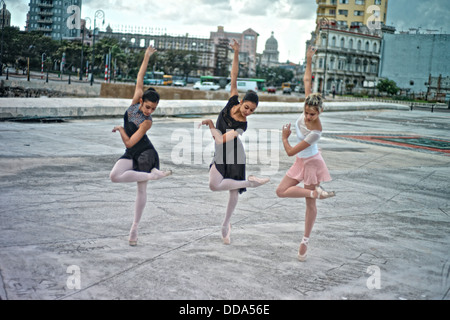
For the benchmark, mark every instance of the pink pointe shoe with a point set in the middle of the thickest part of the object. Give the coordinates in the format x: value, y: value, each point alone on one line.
x: 257, y: 182
x: 133, y: 236
x: 305, y: 242
x: 322, y: 194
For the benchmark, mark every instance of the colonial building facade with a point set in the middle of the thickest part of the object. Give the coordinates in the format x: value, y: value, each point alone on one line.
x: 347, y: 60
x: 203, y: 47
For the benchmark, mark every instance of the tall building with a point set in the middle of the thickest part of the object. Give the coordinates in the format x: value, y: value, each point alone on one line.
x: 248, y: 41
x: 348, y: 38
x: 271, y: 55
x: 352, y: 13
x: 51, y: 18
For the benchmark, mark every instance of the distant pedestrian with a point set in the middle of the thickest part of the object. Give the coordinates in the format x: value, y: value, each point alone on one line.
x: 140, y: 163
x: 227, y: 171
x: 309, y: 167
x: 334, y: 92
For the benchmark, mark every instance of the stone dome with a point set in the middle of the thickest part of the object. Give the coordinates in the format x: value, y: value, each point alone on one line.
x: 272, y: 44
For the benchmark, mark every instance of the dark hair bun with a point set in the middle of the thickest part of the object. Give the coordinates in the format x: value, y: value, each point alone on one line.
x: 251, y: 96
x: 151, y: 96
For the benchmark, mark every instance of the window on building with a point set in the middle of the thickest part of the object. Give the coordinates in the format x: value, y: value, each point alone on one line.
x: 342, y: 43
x: 356, y: 24
x: 375, y: 49
x: 359, y: 45
x: 358, y: 13
x: 358, y: 65
x: 360, y: 2
x: 350, y: 44
x: 343, y: 1
x: 333, y: 41
x: 367, y: 45
x: 343, y: 12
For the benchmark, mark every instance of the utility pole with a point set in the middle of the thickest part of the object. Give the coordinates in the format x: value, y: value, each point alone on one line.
x: 101, y: 15
x: 3, y: 31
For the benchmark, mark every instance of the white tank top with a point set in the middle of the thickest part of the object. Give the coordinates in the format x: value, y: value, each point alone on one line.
x: 312, y: 137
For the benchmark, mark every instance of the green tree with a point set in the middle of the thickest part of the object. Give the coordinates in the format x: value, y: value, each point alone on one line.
x: 189, y: 63
x: 388, y: 86
x: 18, y: 46
x: 274, y: 76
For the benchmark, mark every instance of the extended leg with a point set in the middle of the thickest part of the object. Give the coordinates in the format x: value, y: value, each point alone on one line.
x: 123, y: 173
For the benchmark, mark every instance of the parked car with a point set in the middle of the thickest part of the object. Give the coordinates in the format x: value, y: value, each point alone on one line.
x: 299, y: 89
x: 244, y: 86
x: 179, y: 83
x: 271, y: 90
x: 206, y: 86
x: 287, y: 90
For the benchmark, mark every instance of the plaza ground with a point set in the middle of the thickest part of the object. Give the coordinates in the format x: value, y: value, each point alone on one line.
x: 60, y: 213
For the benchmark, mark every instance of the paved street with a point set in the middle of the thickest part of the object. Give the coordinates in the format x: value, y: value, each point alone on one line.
x: 64, y: 225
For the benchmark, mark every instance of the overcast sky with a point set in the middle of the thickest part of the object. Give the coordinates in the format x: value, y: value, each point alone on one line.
x: 292, y: 21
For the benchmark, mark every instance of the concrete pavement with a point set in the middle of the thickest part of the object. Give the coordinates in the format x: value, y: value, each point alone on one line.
x: 64, y: 225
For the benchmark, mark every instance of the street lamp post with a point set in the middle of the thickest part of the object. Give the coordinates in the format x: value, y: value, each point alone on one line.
x: 101, y: 15
x: 82, y: 47
x: 323, y: 22
x: 3, y: 31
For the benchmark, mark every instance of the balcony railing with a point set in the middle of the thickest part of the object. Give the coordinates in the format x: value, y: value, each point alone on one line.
x: 44, y: 29
x: 46, y: 13
x: 45, y: 21
x: 45, y: 5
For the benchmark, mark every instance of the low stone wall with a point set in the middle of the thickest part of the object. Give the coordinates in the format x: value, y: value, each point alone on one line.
x: 126, y: 91
x: 52, y: 89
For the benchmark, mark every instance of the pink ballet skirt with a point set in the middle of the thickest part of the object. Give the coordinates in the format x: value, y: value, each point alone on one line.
x: 312, y: 171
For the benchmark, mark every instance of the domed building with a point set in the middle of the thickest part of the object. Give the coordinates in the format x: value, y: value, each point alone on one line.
x: 7, y: 16
x: 271, y: 55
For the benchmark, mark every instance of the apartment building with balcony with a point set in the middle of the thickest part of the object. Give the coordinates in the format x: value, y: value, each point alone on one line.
x: 352, y: 13
x: 50, y: 17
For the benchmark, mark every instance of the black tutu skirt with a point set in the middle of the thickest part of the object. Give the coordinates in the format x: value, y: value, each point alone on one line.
x: 146, y: 161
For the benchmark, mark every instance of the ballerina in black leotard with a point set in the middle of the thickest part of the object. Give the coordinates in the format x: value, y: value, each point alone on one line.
x: 140, y: 163
x: 227, y: 172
